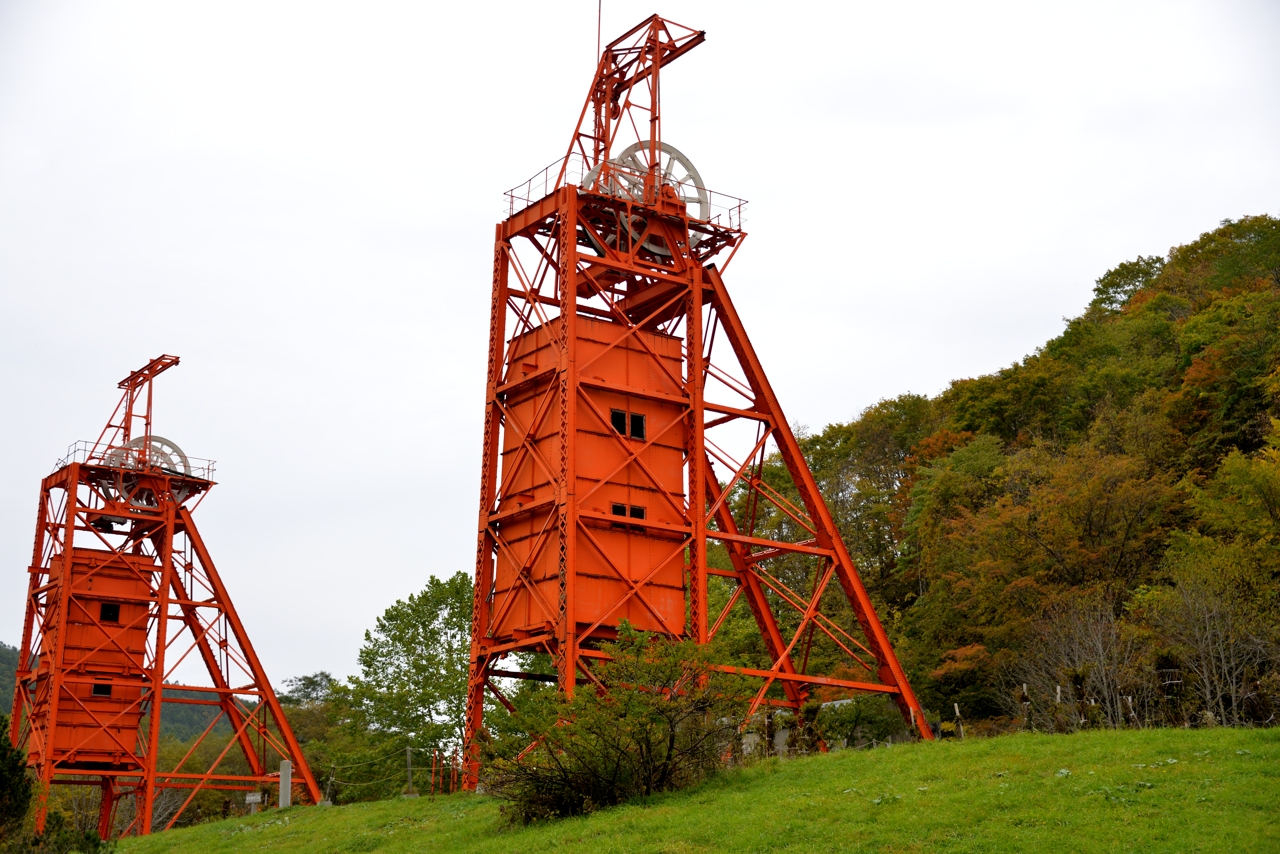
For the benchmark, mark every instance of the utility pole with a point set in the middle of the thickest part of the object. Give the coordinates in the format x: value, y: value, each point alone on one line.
x: 408, y: 764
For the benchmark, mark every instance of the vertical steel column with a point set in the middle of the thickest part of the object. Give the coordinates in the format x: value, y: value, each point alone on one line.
x: 157, y: 670
x: 696, y: 462
x: 34, y: 573
x: 566, y: 283
x: 106, y: 808
x: 63, y: 591
x: 484, y: 538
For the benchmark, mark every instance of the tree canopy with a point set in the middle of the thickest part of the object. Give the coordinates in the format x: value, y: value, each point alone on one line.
x: 413, y: 665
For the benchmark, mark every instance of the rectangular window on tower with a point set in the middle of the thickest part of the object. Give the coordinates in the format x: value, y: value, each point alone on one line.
x: 109, y: 612
x: 637, y: 426
x: 102, y: 689
x: 618, y: 510
x: 619, y: 420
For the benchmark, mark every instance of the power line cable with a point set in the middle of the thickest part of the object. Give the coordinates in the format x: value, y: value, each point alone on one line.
x: 395, y: 752
x: 371, y: 783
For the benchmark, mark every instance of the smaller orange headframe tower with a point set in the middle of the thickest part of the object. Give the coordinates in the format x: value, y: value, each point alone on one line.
x: 628, y: 421
x: 126, y: 615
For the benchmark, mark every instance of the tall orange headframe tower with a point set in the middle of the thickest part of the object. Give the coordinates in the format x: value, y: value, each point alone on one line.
x: 127, y: 617
x: 628, y: 420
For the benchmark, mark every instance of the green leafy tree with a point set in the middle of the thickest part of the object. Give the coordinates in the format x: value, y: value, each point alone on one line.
x: 314, y: 704
x: 313, y: 688
x: 1242, y: 499
x: 860, y: 468
x: 1116, y: 287
x: 412, y: 687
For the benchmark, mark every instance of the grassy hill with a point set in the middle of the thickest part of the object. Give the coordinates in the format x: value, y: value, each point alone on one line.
x: 1147, y: 790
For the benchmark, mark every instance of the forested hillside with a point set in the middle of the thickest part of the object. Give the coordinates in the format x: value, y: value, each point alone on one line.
x: 1103, y: 515
x: 8, y: 671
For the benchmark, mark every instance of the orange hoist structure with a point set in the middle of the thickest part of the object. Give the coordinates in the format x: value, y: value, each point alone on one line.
x: 127, y: 619
x: 628, y: 422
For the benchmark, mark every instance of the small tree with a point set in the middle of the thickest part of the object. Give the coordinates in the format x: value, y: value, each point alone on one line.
x: 313, y: 703
x: 1216, y: 623
x: 665, y: 721
x: 1083, y: 667
x: 1116, y: 287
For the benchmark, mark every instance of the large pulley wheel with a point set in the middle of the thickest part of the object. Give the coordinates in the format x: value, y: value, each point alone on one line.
x: 162, y: 454
x: 626, y: 181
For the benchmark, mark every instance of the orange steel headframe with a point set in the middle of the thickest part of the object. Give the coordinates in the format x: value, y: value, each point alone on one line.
x: 628, y: 420
x: 127, y: 616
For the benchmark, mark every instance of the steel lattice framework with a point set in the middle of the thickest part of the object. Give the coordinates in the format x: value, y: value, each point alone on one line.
x: 123, y: 600
x: 628, y: 421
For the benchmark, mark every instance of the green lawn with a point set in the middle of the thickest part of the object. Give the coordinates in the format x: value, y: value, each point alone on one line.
x: 1151, y: 790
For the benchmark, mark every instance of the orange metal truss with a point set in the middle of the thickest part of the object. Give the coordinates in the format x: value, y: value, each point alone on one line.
x: 123, y: 602
x: 628, y: 420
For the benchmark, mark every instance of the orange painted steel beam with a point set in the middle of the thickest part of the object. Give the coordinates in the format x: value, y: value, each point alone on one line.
x: 826, y: 533
x: 125, y: 606
x: 618, y: 369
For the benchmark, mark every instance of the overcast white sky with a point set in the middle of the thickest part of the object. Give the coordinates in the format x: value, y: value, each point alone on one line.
x: 298, y: 199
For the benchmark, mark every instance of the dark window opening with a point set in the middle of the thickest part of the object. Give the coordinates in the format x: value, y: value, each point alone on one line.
x: 619, y: 420
x: 102, y: 690
x: 109, y: 612
x: 619, y: 509
x: 637, y: 512
x: 637, y: 426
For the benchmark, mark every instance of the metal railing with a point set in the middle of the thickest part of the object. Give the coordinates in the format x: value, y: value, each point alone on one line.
x: 129, y: 458
x: 724, y: 211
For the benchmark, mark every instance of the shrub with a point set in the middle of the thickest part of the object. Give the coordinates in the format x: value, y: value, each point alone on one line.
x: 60, y: 837
x: 666, y: 720
x: 865, y: 717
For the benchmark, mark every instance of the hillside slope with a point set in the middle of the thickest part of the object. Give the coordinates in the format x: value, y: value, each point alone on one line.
x: 1148, y: 790
x: 1113, y: 484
